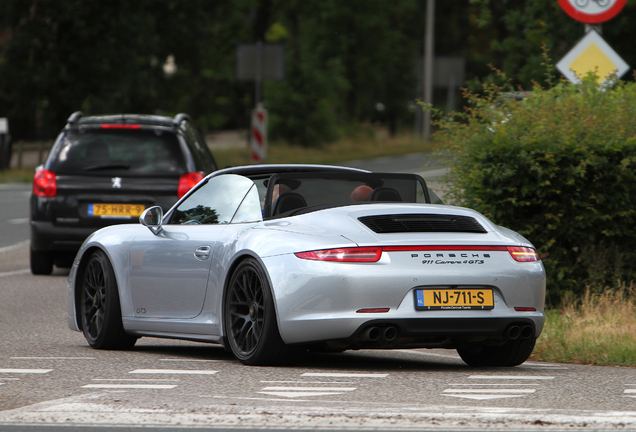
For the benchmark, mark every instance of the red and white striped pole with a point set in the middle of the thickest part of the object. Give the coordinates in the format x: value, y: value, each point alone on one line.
x: 258, y: 135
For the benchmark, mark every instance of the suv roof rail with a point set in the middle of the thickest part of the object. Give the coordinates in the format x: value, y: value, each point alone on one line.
x: 74, y: 117
x: 179, y: 118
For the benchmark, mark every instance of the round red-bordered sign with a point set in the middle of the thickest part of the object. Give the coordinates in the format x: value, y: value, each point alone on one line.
x: 592, y: 11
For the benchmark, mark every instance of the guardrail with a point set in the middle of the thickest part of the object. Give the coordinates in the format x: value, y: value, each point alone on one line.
x: 27, y: 153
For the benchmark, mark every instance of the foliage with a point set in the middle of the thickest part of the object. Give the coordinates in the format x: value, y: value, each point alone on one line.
x: 334, y: 49
x: 108, y: 56
x: 597, y: 329
x: 558, y: 167
x: 344, y: 59
x: 510, y: 34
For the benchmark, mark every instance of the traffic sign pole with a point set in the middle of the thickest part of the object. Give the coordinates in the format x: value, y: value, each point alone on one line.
x: 258, y: 135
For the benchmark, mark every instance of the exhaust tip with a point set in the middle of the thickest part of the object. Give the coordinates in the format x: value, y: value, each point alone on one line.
x: 527, y: 332
x: 513, y: 332
x: 390, y: 333
x: 372, y: 334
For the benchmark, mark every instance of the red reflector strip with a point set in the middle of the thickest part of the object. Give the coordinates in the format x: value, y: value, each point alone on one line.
x: 363, y: 254
x: 525, y: 309
x: 120, y: 126
x: 442, y: 248
x: 377, y: 310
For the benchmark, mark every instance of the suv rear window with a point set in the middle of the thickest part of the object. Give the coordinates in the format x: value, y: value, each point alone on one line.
x: 137, y: 152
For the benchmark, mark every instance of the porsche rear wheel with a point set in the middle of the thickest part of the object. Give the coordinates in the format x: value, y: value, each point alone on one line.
x: 100, y: 309
x: 250, y: 319
x: 512, y: 353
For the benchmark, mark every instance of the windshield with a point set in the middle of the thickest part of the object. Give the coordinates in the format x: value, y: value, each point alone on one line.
x: 124, y: 152
x: 221, y: 200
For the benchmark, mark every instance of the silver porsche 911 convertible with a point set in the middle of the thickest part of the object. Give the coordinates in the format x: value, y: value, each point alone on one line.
x: 273, y: 259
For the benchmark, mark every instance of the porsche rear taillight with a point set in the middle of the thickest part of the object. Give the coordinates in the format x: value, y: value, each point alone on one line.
x: 188, y: 181
x: 359, y: 254
x: 523, y: 254
x: 44, y: 183
x: 373, y: 253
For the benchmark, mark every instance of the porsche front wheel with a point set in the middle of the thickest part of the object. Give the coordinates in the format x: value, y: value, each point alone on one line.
x: 250, y: 319
x: 511, y: 353
x: 100, y: 309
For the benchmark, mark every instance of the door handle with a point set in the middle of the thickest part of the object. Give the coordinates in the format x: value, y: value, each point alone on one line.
x: 202, y: 253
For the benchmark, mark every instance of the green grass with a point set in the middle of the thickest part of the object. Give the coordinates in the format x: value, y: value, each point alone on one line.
x: 22, y: 175
x: 346, y: 149
x: 598, y: 329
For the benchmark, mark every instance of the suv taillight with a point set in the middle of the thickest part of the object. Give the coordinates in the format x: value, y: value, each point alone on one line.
x: 121, y: 126
x: 188, y: 181
x: 44, y: 183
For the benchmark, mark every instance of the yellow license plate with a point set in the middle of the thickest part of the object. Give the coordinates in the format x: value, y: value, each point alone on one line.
x: 115, y: 210
x: 454, y: 299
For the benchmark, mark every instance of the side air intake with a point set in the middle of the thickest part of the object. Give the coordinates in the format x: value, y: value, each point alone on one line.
x: 402, y: 223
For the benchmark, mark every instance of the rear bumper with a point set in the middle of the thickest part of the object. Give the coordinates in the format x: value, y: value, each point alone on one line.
x: 438, y: 333
x: 46, y: 237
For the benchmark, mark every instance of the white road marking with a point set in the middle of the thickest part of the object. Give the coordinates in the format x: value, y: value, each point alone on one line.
x: 135, y: 380
x: 174, y: 371
x: 15, y: 246
x: 346, y: 375
x: 18, y: 221
x: 484, y: 396
x: 544, y: 365
x: 630, y: 391
x: 482, y: 384
x: 511, y: 377
x: 490, y: 391
x: 52, y: 358
x: 308, y: 382
x: 424, y: 353
x: 130, y: 386
x: 188, y: 360
x: 26, y: 371
x: 15, y: 273
x: 298, y: 394
x: 339, y: 389
x: 481, y: 393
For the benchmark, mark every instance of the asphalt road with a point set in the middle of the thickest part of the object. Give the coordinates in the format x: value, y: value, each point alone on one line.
x: 14, y: 213
x: 49, y: 376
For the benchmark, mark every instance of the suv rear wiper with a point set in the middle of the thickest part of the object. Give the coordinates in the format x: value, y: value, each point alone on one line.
x: 107, y: 167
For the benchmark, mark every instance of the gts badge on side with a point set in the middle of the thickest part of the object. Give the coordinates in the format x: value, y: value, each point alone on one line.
x: 140, y: 311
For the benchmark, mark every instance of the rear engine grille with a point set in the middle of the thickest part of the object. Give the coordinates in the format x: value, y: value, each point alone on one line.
x: 384, y: 224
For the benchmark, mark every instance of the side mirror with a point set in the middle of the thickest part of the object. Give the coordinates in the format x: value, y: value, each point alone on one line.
x: 152, y: 218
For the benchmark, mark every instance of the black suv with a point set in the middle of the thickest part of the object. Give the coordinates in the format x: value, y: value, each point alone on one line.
x: 104, y: 170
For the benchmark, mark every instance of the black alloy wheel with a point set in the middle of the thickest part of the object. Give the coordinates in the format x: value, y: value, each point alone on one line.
x: 250, y: 319
x: 100, y: 309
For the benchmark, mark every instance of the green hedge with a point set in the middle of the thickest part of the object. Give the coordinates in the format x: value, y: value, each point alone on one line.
x: 558, y: 166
